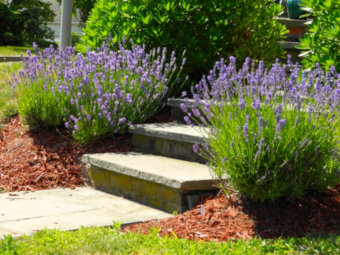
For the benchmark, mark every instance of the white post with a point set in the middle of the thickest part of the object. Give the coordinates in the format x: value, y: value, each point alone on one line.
x: 66, y: 23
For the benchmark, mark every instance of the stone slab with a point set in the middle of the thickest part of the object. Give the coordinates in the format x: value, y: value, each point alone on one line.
x: 293, y: 22
x: 65, y: 209
x: 171, y: 131
x: 11, y: 58
x: 165, y: 147
x: 289, y: 45
x: 174, y: 173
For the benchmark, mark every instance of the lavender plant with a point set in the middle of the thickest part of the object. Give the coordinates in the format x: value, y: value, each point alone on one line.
x: 94, y: 95
x: 271, y: 134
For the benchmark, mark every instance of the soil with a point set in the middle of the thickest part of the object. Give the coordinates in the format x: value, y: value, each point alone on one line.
x: 45, y: 159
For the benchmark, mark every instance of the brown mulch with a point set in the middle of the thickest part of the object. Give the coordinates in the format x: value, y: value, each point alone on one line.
x: 45, y: 159
x: 220, y: 218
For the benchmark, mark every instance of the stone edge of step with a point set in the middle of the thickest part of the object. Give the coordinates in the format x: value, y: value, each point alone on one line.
x: 184, y: 185
x: 149, y: 130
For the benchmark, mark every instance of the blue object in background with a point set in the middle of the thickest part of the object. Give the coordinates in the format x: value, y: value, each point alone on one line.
x: 293, y: 9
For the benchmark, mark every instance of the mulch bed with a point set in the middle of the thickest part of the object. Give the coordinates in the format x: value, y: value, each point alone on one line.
x: 45, y: 159
x: 220, y: 218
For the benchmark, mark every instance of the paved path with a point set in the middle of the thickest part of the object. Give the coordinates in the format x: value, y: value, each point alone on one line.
x: 65, y: 209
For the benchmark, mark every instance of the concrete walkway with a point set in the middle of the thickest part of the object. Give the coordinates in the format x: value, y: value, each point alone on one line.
x: 65, y: 209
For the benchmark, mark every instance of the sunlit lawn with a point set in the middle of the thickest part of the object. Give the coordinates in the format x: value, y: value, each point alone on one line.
x: 111, y: 241
x: 13, y: 50
x: 7, y: 102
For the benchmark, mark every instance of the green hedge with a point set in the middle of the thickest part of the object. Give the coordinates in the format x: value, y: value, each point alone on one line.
x: 207, y: 30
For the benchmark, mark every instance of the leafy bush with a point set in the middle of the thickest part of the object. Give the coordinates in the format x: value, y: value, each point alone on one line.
x: 96, y: 95
x: 321, y: 44
x: 206, y: 29
x: 24, y: 22
x: 270, y: 135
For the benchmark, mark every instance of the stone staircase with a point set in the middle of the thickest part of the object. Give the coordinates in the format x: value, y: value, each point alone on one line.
x: 297, y: 28
x: 162, y: 171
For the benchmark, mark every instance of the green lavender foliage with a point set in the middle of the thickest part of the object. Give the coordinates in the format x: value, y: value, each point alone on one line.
x: 270, y: 135
x: 95, y: 95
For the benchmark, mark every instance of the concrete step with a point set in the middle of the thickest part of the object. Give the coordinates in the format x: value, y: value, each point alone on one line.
x: 12, y: 58
x: 289, y: 45
x: 168, y: 139
x: 176, y: 111
x: 164, y: 183
x: 294, y: 23
x: 23, y: 213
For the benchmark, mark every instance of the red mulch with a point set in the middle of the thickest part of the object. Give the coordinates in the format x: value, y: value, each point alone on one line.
x: 223, y: 218
x: 40, y: 159
x: 45, y: 159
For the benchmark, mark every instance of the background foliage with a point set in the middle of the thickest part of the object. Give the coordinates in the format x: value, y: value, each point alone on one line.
x: 206, y: 29
x: 24, y: 22
x: 321, y: 43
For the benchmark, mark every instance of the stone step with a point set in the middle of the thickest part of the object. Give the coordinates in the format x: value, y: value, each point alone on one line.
x: 168, y: 139
x: 12, y: 58
x: 176, y: 111
x: 294, y: 23
x: 164, y: 183
x: 23, y: 213
x: 289, y: 46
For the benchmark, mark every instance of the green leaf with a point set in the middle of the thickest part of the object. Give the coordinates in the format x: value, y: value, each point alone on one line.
x: 146, y: 19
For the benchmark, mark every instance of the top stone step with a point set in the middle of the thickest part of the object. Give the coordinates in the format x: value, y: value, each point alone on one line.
x: 291, y: 23
x: 171, y: 131
x: 168, y: 139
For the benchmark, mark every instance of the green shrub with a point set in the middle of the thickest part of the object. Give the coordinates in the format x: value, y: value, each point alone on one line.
x: 207, y: 30
x: 24, y: 22
x: 270, y: 136
x: 321, y: 44
x: 93, y: 96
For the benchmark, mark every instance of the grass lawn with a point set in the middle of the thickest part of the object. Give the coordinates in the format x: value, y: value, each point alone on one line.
x: 112, y: 241
x: 7, y: 102
x: 14, y: 50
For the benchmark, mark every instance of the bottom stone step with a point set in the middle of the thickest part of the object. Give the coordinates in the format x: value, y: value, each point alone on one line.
x: 164, y: 183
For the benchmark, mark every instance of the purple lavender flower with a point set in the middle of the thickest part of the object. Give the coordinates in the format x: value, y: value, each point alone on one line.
x: 183, y: 107
x: 195, y: 148
x: 121, y: 120
x: 245, y: 131
x: 187, y: 120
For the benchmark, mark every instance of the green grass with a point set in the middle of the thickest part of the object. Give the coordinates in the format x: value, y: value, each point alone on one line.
x: 14, y: 50
x: 111, y: 241
x: 8, y: 106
